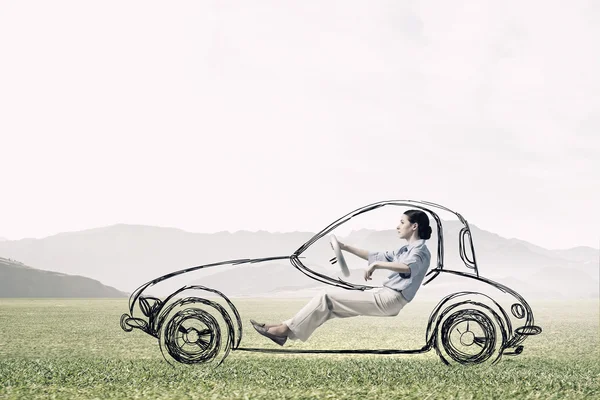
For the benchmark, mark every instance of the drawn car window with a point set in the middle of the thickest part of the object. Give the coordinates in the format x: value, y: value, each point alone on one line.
x: 466, y: 249
x: 373, y: 230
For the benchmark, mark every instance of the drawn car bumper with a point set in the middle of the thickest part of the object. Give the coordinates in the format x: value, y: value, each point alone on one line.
x: 528, y: 330
x: 128, y: 323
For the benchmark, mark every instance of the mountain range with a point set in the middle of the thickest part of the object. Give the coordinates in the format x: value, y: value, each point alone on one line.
x: 126, y: 256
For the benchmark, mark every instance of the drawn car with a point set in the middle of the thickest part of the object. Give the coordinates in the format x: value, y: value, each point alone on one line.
x: 197, y: 324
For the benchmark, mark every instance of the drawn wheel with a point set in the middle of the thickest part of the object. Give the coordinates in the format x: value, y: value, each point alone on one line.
x: 469, y: 336
x: 192, y: 335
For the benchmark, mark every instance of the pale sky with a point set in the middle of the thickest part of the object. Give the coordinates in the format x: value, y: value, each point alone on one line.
x: 283, y: 116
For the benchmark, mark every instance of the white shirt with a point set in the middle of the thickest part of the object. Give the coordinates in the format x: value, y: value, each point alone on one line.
x: 416, y: 256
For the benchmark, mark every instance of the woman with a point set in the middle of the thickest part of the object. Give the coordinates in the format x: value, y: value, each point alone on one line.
x: 408, y: 264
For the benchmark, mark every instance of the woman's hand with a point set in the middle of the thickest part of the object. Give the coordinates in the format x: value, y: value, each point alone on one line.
x: 364, y: 254
x: 342, y: 245
x: 369, y: 271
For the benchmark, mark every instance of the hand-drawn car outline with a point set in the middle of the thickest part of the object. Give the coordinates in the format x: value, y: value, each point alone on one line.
x: 166, y: 319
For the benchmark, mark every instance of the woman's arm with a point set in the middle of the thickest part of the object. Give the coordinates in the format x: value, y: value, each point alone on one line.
x: 392, y: 266
x: 364, y: 254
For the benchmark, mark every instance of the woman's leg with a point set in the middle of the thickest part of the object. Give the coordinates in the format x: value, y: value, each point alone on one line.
x: 342, y: 304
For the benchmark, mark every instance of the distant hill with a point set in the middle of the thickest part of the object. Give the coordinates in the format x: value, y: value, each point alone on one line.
x: 20, y: 280
x: 583, y: 254
x: 126, y: 256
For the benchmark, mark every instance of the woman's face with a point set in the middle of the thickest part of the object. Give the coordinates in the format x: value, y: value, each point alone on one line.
x: 405, y: 228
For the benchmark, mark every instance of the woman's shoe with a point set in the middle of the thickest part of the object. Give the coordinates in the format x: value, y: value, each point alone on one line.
x: 254, y: 323
x: 280, y: 340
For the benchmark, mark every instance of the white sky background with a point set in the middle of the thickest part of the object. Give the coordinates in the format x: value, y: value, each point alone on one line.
x: 284, y: 116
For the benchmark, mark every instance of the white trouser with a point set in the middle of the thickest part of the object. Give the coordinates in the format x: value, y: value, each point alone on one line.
x: 380, y: 302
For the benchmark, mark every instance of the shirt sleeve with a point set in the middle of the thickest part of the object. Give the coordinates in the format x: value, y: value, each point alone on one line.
x: 416, y: 262
x: 380, y: 256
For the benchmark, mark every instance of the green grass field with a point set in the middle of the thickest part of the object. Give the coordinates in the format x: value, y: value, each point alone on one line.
x: 75, y: 349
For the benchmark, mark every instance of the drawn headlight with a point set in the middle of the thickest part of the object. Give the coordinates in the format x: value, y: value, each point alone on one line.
x: 149, y: 305
x: 518, y: 310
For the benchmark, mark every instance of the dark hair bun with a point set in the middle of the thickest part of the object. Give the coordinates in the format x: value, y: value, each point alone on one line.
x: 425, y: 232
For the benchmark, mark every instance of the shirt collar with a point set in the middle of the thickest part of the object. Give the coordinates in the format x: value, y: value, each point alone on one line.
x: 415, y: 243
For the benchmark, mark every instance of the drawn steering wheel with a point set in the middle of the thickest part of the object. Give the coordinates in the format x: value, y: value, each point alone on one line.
x: 339, y: 257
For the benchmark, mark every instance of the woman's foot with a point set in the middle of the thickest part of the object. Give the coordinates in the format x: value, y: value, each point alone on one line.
x: 279, y: 339
x: 278, y: 330
x: 262, y: 325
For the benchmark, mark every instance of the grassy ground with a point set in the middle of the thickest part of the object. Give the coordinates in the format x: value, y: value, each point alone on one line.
x: 75, y: 349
